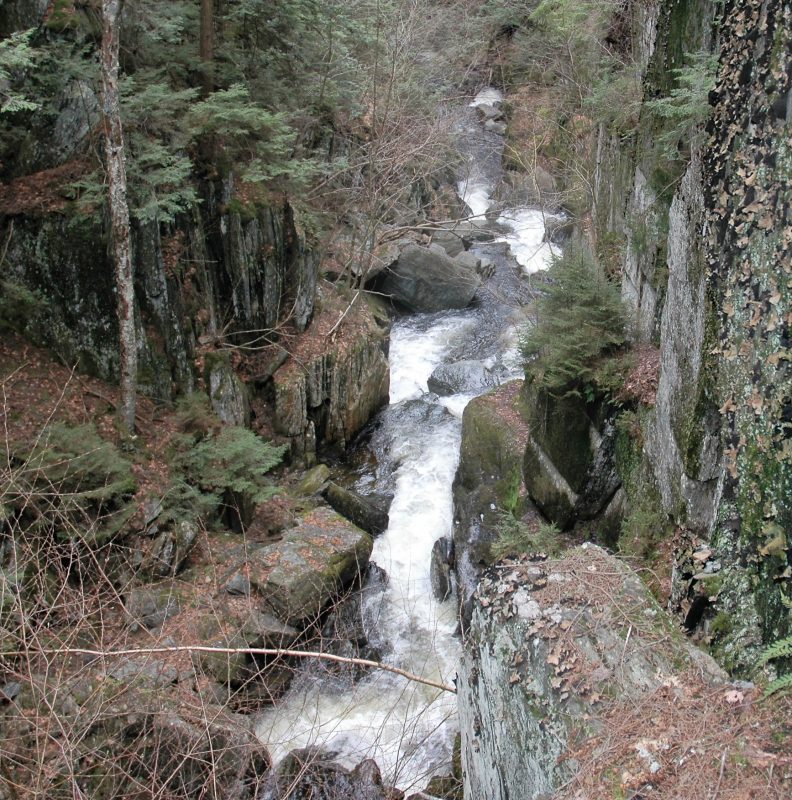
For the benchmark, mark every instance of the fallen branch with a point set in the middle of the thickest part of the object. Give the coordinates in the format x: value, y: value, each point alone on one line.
x: 253, y: 651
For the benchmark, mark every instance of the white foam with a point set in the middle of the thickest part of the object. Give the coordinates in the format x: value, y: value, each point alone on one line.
x: 525, y: 238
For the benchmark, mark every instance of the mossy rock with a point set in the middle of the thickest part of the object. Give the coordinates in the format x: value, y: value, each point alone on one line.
x: 297, y: 577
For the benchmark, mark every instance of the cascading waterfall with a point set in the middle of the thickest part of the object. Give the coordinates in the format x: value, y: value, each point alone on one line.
x: 409, y: 728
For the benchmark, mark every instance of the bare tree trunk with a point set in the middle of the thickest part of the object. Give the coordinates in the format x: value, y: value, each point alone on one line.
x: 119, y: 211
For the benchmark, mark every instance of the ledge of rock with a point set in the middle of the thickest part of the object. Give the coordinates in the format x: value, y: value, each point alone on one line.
x: 335, y: 380
x: 298, y: 576
x: 488, y: 481
x: 551, y: 644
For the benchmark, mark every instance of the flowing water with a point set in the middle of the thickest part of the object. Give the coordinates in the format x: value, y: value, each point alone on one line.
x: 409, y: 728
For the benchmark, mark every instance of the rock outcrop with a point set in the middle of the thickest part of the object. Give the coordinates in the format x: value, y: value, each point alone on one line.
x: 569, y: 470
x: 550, y: 645
x: 489, y: 479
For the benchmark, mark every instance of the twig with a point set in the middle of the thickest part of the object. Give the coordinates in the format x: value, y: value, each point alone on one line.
x: 253, y: 651
x: 720, y: 775
x: 6, y: 243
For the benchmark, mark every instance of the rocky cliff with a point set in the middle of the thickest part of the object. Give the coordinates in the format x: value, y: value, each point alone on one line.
x: 700, y: 236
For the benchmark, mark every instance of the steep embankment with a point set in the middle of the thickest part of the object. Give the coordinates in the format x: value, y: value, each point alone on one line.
x: 689, y: 207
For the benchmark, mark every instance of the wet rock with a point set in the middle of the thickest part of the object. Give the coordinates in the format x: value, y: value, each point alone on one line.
x: 495, y: 127
x: 311, y: 772
x: 370, y: 514
x: 489, y: 111
x: 469, y: 260
x: 558, y: 229
x: 426, y: 280
x: 440, y: 568
x: 461, y: 377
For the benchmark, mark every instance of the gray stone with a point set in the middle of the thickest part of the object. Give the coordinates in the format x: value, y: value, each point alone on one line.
x: 489, y: 111
x: 518, y: 703
x: 228, y: 394
x: 170, y: 549
x: 425, y: 280
x: 440, y: 568
x: 469, y: 260
x: 150, y: 606
x: 461, y: 377
x: 314, y: 481
x: 145, y: 672
x: 369, y: 514
x: 495, y: 127
x: 298, y: 576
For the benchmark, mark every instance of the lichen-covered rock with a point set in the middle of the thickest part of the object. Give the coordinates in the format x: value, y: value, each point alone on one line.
x: 426, y: 279
x: 333, y: 386
x: 298, y: 576
x: 682, y: 440
x: 488, y: 482
x: 549, y: 642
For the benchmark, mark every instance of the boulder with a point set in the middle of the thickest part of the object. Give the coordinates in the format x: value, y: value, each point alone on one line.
x: 488, y: 482
x: 469, y: 260
x: 369, y: 513
x: 461, y: 377
x: 137, y: 741
x: 227, y: 625
x: 297, y: 577
x: 311, y: 772
x: 489, y: 111
x: 558, y: 229
x: 569, y: 468
x: 314, y: 481
x: 150, y: 606
x: 426, y: 280
x: 493, y: 126
x: 170, y: 549
x: 440, y: 568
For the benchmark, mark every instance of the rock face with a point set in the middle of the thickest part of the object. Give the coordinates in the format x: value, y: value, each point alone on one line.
x: 426, y: 279
x: 489, y: 479
x: 335, y: 387
x: 568, y: 469
x: 253, y: 271
x: 547, y: 644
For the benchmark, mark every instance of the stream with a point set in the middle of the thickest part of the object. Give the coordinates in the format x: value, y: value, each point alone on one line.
x: 412, y: 451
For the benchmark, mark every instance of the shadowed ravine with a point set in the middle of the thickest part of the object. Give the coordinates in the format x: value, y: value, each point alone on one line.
x: 407, y: 728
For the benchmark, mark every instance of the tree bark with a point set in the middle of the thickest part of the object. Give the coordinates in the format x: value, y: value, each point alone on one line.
x: 119, y: 212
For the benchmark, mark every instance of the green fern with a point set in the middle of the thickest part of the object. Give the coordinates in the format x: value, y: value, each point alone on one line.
x: 779, y: 684
x: 780, y: 649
